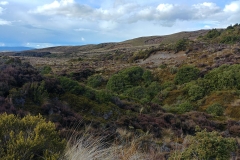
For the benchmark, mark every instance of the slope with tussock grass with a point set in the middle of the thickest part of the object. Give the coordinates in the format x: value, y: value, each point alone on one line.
x: 92, y: 148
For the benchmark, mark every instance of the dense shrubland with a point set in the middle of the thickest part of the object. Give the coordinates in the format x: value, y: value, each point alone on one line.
x: 156, y: 110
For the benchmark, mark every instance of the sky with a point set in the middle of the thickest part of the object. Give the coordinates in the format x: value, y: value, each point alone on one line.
x: 46, y: 23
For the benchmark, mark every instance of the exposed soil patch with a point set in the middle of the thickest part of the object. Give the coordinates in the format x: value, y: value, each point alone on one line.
x: 164, y: 57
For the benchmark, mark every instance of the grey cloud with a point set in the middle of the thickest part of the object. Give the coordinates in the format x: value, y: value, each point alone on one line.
x: 122, y: 12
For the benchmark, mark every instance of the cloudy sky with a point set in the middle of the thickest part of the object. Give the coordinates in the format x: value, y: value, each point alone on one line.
x: 44, y: 23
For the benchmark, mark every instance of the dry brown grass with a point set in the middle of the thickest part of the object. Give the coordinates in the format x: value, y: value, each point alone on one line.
x: 92, y: 148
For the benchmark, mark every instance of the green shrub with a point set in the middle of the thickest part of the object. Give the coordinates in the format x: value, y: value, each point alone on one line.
x: 103, y: 96
x: 168, y: 85
x: 72, y: 86
x: 230, y: 39
x: 116, y: 83
x: 46, y: 70
x: 38, y: 92
x: 195, y: 92
x: 185, y: 107
x: 206, y: 146
x: 215, y: 109
x: 136, y: 92
x: 29, y: 138
x: 95, y: 81
x: 132, y: 74
x: 147, y: 76
x: 181, y: 45
x: 78, y: 103
x: 125, y: 79
x: 224, y: 77
x: 212, y: 34
x: 153, y: 89
x: 186, y: 74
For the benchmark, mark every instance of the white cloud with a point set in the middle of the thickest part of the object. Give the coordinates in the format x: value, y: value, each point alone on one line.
x: 3, y: 3
x: 72, y: 20
x: 232, y: 7
x: 2, y: 44
x: 4, y: 22
x: 165, y: 7
x: 206, y: 9
x: 85, y: 30
x: 38, y: 45
x: 207, y: 27
x: 83, y: 39
x: 108, y: 25
x: 110, y: 16
x: 65, y: 8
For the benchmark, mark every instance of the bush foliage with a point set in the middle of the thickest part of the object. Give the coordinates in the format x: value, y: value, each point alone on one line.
x: 207, y: 145
x: 30, y: 137
x: 215, y: 109
x: 186, y: 74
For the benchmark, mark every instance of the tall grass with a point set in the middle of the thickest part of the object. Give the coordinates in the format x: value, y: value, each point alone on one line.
x: 91, y: 148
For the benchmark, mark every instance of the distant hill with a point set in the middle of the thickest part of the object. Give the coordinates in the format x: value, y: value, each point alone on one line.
x: 130, y: 45
x: 15, y: 49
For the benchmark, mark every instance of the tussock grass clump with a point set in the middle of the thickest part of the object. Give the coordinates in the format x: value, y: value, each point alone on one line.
x: 92, y: 148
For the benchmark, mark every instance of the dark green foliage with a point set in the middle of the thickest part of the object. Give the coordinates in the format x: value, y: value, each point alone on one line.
x: 212, y: 34
x: 95, y: 81
x: 125, y: 79
x: 168, y: 85
x: 186, y: 74
x: 103, y: 96
x: 195, y: 92
x: 46, y: 70
x: 116, y: 83
x: 136, y: 92
x: 132, y: 75
x: 37, y: 92
x: 153, y: 89
x: 215, y: 109
x: 207, y: 146
x: 147, y: 76
x: 224, y: 77
x: 72, y: 86
x: 230, y: 39
x: 78, y: 103
x: 181, y: 45
x: 29, y: 138
x: 230, y: 27
x: 185, y: 107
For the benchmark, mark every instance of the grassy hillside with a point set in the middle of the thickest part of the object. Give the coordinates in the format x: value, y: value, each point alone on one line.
x: 162, y: 96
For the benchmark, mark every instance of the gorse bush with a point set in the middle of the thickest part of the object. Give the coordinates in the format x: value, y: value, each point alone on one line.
x: 181, y: 45
x: 29, y: 138
x: 185, y: 107
x: 215, y: 109
x: 212, y: 34
x: 207, y: 145
x: 230, y: 39
x: 46, y: 70
x: 125, y: 79
x: 195, y: 92
x: 224, y: 77
x: 95, y: 81
x: 186, y: 74
x: 71, y: 86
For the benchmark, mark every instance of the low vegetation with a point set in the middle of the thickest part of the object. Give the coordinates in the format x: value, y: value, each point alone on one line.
x: 125, y: 104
